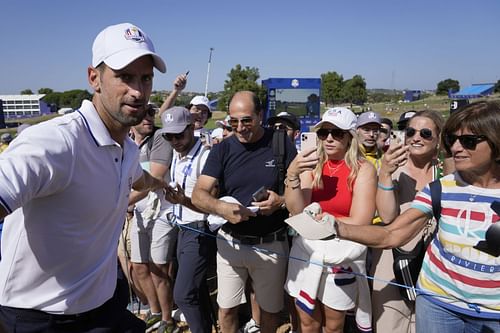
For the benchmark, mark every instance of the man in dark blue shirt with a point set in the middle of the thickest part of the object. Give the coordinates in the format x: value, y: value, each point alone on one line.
x: 239, y: 166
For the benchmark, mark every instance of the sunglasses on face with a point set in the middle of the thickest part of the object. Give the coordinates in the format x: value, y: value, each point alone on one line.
x: 281, y: 127
x: 425, y: 133
x: 151, y: 112
x: 245, y: 121
x: 171, y: 136
x: 336, y: 133
x: 384, y: 130
x: 468, y: 141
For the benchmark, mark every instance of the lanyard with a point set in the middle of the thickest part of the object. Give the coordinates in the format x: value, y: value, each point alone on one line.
x: 186, y: 171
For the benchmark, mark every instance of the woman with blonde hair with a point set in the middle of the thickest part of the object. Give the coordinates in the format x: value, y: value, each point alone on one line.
x: 405, y: 169
x: 320, y: 273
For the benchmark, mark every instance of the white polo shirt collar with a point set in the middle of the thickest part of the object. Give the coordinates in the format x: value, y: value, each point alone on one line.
x: 95, y: 125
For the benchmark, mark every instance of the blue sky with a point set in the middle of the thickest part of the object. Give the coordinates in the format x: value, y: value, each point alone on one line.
x: 393, y: 44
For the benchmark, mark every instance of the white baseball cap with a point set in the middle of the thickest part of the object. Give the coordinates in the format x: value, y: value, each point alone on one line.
x: 341, y: 117
x: 200, y: 100
x: 217, y: 133
x: 119, y: 45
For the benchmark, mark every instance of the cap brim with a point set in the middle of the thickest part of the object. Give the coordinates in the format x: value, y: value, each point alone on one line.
x: 172, y: 129
x: 124, y: 58
x: 329, y: 122
x: 310, y: 228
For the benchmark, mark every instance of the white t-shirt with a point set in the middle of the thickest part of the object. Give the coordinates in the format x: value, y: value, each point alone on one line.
x: 67, y: 183
x: 185, y: 172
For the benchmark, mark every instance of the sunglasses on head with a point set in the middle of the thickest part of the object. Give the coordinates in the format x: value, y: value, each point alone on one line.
x: 336, y: 133
x: 171, y: 136
x: 425, y: 133
x: 245, y: 121
x: 468, y: 141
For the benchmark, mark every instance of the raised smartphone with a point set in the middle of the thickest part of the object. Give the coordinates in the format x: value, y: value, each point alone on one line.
x: 308, y: 141
x: 260, y: 195
x: 397, y: 135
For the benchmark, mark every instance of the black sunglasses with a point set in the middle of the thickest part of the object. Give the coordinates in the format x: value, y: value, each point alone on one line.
x: 384, y: 130
x: 425, y: 133
x: 468, y: 141
x: 336, y: 133
x: 151, y: 111
x: 282, y: 127
x: 177, y: 136
x: 245, y: 121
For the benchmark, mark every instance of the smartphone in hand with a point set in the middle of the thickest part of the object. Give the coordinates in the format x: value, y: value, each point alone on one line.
x: 398, y: 136
x: 308, y: 141
x: 260, y: 195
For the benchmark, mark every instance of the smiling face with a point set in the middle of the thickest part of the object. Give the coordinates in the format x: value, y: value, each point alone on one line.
x: 476, y: 159
x: 121, y: 95
x: 200, y: 115
x: 420, y: 144
x: 244, y: 119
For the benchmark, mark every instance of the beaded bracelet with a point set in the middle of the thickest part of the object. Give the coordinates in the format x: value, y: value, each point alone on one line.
x: 385, y: 188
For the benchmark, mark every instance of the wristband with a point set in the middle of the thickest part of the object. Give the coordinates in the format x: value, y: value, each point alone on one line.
x: 385, y: 188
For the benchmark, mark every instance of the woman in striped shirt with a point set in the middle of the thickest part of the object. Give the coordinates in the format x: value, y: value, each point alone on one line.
x: 459, y: 284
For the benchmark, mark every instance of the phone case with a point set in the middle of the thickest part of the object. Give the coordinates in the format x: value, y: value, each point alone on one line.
x: 307, y: 141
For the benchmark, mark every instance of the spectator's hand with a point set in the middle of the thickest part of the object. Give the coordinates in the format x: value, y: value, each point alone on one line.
x: 235, y: 213
x: 395, y: 156
x: 175, y: 195
x: 270, y: 205
x: 304, y: 161
x: 180, y: 82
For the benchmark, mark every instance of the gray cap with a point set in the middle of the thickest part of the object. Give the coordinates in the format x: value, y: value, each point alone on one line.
x: 368, y: 118
x: 175, y: 120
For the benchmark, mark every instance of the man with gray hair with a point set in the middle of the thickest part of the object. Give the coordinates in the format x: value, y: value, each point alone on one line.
x: 64, y: 189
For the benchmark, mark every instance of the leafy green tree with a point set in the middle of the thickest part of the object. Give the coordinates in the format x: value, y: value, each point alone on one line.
x: 27, y: 92
x: 73, y: 98
x: 45, y: 91
x: 331, y: 87
x: 354, y: 90
x: 497, y: 87
x: 444, y: 86
x: 240, y: 79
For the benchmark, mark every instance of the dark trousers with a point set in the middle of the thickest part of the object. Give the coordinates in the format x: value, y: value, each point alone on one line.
x: 190, y: 290
x: 111, y: 317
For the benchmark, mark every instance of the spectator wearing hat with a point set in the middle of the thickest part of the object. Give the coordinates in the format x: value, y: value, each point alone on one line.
x: 5, y: 140
x: 227, y: 130
x: 152, y: 237
x: 343, y: 183
x: 240, y: 165
x: 368, y: 128
x: 217, y: 135
x: 384, y: 135
x: 286, y: 121
x: 199, y: 107
x: 194, y: 246
x: 65, y: 198
x: 404, y: 118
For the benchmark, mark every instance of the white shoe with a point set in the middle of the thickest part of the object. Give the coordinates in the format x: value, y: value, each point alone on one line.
x: 251, y: 327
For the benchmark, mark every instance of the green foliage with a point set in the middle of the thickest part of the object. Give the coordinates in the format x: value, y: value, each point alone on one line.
x: 68, y: 99
x: 27, y: 92
x: 497, y: 87
x: 240, y: 79
x: 354, y: 90
x: 332, y: 85
x: 45, y: 91
x: 384, y: 97
x: 445, y: 85
x: 156, y: 99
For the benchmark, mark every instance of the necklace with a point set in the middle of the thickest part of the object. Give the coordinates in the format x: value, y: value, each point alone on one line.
x: 333, y: 166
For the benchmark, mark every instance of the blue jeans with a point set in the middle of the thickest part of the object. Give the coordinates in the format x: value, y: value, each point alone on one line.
x: 432, y: 318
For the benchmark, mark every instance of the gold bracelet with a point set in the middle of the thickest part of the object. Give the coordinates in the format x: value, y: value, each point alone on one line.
x: 293, y: 187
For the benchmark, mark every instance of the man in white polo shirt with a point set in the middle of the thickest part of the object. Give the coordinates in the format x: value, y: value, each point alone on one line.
x: 64, y: 188
x: 194, y: 244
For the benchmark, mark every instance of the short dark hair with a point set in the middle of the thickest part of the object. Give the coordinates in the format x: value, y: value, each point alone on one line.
x: 481, y: 118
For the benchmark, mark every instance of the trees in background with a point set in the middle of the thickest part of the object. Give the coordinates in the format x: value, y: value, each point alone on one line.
x: 444, y: 86
x: 240, y: 78
x: 334, y: 90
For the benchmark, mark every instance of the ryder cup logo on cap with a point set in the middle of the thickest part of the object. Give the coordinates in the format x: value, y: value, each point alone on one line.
x: 119, y: 45
x: 341, y: 117
x: 368, y: 118
x: 175, y: 120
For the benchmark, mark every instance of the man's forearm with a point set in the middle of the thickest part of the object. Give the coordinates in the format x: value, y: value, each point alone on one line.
x: 205, y: 202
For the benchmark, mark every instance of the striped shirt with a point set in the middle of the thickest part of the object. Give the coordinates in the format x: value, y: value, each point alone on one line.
x: 467, y: 279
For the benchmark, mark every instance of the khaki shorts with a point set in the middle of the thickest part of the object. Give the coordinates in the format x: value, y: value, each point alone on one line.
x: 154, y: 242
x: 235, y: 263
x: 124, y: 242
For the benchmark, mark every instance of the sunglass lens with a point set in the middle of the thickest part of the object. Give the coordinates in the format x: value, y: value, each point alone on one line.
x: 322, y: 133
x: 426, y: 133
x: 410, y: 131
x: 468, y: 142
